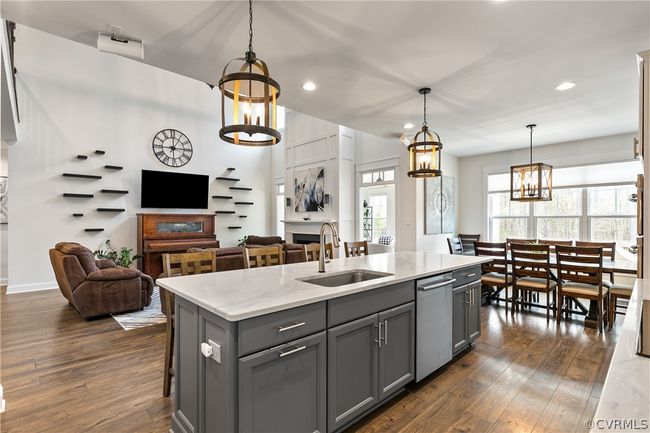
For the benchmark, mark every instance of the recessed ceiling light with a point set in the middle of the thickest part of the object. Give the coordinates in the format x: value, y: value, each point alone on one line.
x: 408, y: 125
x: 309, y: 86
x: 565, y: 86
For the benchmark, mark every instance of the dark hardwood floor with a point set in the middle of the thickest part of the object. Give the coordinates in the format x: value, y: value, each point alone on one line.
x: 62, y: 374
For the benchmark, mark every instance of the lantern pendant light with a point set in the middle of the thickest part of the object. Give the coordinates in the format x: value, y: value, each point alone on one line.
x: 532, y: 181
x: 246, y: 81
x: 424, y: 150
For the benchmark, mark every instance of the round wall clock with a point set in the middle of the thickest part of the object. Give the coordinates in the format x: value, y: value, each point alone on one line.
x: 172, y: 147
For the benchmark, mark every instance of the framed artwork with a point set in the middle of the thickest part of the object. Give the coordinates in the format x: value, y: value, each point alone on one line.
x: 4, y: 200
x: 309, y: 189
x: 440, y: 208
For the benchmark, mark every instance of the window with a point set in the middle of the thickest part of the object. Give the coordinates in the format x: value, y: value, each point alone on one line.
x: 508, y: 219
x: 377, y: 204
x: 560, y: 218
x: 612, y: 216
x: 279, y: 210
x: 379, y: 176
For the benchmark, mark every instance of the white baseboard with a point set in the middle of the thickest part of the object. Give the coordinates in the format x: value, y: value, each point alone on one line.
x: 32, y: 287
x: 4, y: 281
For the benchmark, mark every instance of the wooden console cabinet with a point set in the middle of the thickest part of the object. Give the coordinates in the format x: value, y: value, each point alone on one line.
x: 170, y: 233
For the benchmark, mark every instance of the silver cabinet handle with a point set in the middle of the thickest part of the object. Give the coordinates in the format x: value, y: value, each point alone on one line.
x: 473, y: 297
x: 467, y: 297
x: 378, y: 340
x: 289, y: 327
x: 470, y: 275
x: 435, y: 286
x: 386, y: 332
x: 292, y: 351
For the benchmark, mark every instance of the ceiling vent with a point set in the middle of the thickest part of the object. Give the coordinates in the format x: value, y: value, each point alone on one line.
x: 118, y: 45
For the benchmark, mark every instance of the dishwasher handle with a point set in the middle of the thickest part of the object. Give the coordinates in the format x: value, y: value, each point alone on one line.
x: 436, y: 285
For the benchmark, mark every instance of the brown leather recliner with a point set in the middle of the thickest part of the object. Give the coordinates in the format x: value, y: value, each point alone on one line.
x: 293, y: 253
x: 98, y: 287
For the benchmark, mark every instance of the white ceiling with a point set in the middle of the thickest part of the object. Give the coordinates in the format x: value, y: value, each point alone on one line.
x: 492, y: 66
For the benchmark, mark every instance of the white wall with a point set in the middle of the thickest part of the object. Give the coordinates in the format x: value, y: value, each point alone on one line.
x: 475, y: 169
x: 375, y: 152
x: 73, y: 100
x: 4, y: 241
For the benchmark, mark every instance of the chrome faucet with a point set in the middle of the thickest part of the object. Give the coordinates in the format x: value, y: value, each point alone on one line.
x: 335, y: 242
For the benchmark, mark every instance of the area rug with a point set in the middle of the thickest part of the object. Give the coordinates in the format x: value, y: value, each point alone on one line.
x: 148, y: 316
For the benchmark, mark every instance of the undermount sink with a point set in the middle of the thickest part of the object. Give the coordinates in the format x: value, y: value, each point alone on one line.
x: 345, y: 278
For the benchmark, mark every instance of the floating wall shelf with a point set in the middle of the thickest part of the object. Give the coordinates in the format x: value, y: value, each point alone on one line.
x: 113, y: 167
x: 71, y: 194
x: 244, y: 202
x: 110, y: 209
x: 243, y: 216
x: 94, y: 230
x: 100, y: 152
x: 219, y: 212
x: 114, y: 191
x: 81, y: 176
x: 225, y: 197
x: 230, y: 179
x: 77, y: 215
x: 241, y: 188
x: 82, y: 156
x: 234, y: 227
x: 231, y: 169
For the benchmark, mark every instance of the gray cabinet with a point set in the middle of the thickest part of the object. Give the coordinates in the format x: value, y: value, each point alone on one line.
x: 396, y: 353
x: 368, y: 360
x: 353, y: 360
x: 283, y: 389
x: 186, y: 382
x: 466, y: 315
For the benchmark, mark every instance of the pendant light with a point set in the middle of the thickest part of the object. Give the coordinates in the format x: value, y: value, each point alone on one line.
x: 424, y: 150
x: 532, y: 181
x: 246, y: 81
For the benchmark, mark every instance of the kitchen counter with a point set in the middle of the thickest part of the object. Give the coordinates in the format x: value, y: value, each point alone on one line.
x: 626, y: 392
x: 243, y: 294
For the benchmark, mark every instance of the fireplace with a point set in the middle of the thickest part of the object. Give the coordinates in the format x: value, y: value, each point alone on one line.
x: 305, y: 238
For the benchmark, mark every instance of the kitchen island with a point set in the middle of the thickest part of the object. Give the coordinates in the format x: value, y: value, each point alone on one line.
x: 285, y: 348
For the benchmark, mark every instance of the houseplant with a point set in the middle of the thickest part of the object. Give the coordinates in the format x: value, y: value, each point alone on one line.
x: 124, y: 257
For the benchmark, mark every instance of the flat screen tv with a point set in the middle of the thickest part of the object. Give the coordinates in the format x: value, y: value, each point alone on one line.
x: 164, y: 189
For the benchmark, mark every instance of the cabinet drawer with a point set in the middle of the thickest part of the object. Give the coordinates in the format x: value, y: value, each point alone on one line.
x: 272, y: 329
x: 346, y: 308
x: 467, y: 275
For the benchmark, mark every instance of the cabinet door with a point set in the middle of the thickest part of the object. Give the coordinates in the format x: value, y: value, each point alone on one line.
x: 186, y: 353
x: 474, y: 311
x: 459, y: 319
x: 352, y: 370
x: 283, y: 389
x: 396, y: 352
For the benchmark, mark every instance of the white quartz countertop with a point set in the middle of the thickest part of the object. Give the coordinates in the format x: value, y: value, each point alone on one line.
x: 626, y: 392
x: 246, y: 293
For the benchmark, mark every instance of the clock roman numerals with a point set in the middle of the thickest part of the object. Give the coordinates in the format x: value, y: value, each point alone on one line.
x: 172, y: 147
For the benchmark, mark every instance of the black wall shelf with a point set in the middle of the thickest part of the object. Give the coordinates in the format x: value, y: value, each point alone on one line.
x: 100, y: 152
x: 82, y: 156
x: 94, y: 230
x: 243, y: 216
x: 241, y: 188
x: 244, y: 202
x: 113, y: 167
x: 74, y: 194
x: 229, y: 179
x: 77, y: 215
x: 225, y: 197
x: 114, y: 191
x: 110, y: 209
x: 220, y: 212
x: 82, y: 176
x: 234, y: 227
x: 231, y: 169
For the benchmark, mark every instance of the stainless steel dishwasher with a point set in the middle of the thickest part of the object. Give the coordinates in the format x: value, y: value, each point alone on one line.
x: 433, y: 324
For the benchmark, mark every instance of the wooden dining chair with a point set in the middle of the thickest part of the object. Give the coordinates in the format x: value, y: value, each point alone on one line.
x: 531, y: 272
x: 580, y: 273
x: 455, y: 245
x: 312, y: 251
x: 495, y: 273
x: 552, y: 243
x: 264, y: 256
x: 353, y: 249
x: 468, y: 242
x: 616, y: 292
x: 175, y: 265
x: 609, y: 252
x: 509, y: 241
